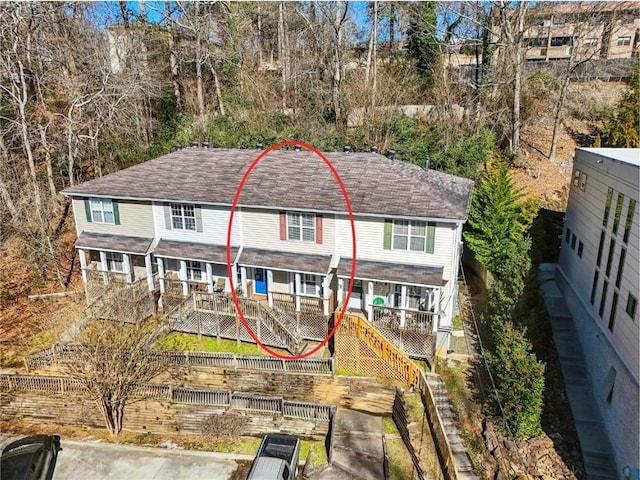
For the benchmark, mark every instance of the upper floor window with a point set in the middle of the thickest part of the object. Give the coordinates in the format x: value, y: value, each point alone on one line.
x: 618, y: 212
x: 102, y: 210
x: 576, y: 178
x: 627, y: 224
x: 183, y: 216
x: 560, y: 41
x: 304, y: 227
x: 409, y: 235
x: 626, y: 40
x: 590, y: 42
x: 583, y: 181
x: 559, y: 20
x: 607, y: 207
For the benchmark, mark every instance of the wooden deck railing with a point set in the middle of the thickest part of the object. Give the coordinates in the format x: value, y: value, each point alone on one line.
x: 193, y: 396
x: 414, y: 319
x: 63, y: 353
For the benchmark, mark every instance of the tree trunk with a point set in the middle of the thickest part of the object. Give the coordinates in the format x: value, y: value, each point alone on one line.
x: 47, y: 157
x: 556, y: 117
x: 218, y: 91
x: 173, y: 56
x: 4, y: 191
x: 340, y: 16
x: 124, y: 13
x: 374, y: 87
x: 199, y: 60
x: 142, y: 7
x: 281, y: 53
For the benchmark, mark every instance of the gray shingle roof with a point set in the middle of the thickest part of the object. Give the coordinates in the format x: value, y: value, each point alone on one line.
x: 290, y: 180
x: 119, y: 243
x: 194, y: 251
x: 392, y: 272
x: 256, y: 257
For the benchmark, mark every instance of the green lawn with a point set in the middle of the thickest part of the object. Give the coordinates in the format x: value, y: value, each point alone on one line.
x: 186, y: 341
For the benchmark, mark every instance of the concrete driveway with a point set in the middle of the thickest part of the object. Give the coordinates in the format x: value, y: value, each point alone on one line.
x: 99, y: 461
x: 102, y: 461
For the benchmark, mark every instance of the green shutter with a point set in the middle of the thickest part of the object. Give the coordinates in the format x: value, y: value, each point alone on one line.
x: 388, y: 233
x: 116, y: 212
x: 431, y: 237
x: 87, y: 209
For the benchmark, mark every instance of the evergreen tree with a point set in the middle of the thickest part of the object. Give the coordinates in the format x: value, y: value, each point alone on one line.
x: 622, y: 128
x: 423, y: 42
x: 499, y: 220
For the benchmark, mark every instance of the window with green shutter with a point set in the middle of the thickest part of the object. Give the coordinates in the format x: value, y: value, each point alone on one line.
x: 411, y: 235
x: 102, y: 210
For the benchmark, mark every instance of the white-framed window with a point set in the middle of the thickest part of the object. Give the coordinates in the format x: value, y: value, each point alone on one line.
x: 625, y: 40
x: 309, y: 284
x: 183, y: 216
x: 101, y: 210
x: 115, y: 262
x: 301, y: 226
x: 195, y: 271
x: 590, y: 42
x: 409, y: 235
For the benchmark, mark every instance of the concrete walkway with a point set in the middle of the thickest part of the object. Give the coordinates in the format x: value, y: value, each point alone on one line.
x: 358, y: 451
x: 596, y: 450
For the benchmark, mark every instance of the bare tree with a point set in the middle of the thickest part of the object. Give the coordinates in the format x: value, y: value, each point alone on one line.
x: 112, y: 361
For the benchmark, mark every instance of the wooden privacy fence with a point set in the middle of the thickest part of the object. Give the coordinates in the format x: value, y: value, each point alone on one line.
x: 191, y: 396
x: 61, y: 353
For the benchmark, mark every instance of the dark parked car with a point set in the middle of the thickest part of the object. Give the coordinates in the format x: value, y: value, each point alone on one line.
x: 30, y: 458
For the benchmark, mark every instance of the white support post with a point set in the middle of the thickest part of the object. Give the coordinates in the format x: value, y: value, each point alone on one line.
x: 269, y: 288
x: 83, y: 264
x: 149, y: 268
x: 105, y: 266
x: 340, y: 290
x: 126, y: 267
x: 243, y: 281
x: 183, y: 277
x: 161, y: 274
x: 403, y: 305
x: 325, y: 295
x: 234, y: 272
x: 209, y: 272
x: 369, y: 300
x: 298, y: 288
x: 436, y: 309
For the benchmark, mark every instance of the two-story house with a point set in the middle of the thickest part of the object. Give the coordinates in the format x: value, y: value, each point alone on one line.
x: 291, y: 236
x: 599, y: 272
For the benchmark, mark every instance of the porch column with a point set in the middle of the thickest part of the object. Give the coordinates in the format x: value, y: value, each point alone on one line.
x: 403, y: 304
x: 325, y: 295
x: 234, y: 272
x: 183, y: 277
x: 83, y: 264
x: 436, y: 309
x: 297, y: 290
x: 243, y: 281
x: 161, y: 274
x: 209, y: 271
x: 340, y: 290
x: 126, y: 266
x: 149, y: 268
x: 369, y: 300
x: 269, y: 285
x: 105, y: 267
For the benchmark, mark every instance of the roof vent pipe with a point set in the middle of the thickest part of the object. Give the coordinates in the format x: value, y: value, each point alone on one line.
x: 194, y: 144
x: 205, y: 144
x: 391, y: 154
x: 259, y: 146
x: 346, y: 148
x: 297, y: 148
x: 178, y: 147
x: 426, y: 163
x: 374, y: 149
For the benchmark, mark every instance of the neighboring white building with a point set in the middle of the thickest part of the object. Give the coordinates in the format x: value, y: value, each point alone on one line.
x: 600, y: 277
x: 291, y: 235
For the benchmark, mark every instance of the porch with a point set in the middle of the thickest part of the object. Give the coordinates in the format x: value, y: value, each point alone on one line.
x: 114, y: 260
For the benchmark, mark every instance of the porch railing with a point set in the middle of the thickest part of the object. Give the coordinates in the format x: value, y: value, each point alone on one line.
x: 391, y: 317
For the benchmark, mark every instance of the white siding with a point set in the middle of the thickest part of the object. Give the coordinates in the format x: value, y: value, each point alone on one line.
x: 136, y: 219
x: 370, y: 244
x: 215, y: 221
x: 261, y: 229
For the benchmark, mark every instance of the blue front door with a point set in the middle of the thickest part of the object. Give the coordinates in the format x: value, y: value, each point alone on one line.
x: 261, y: 281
